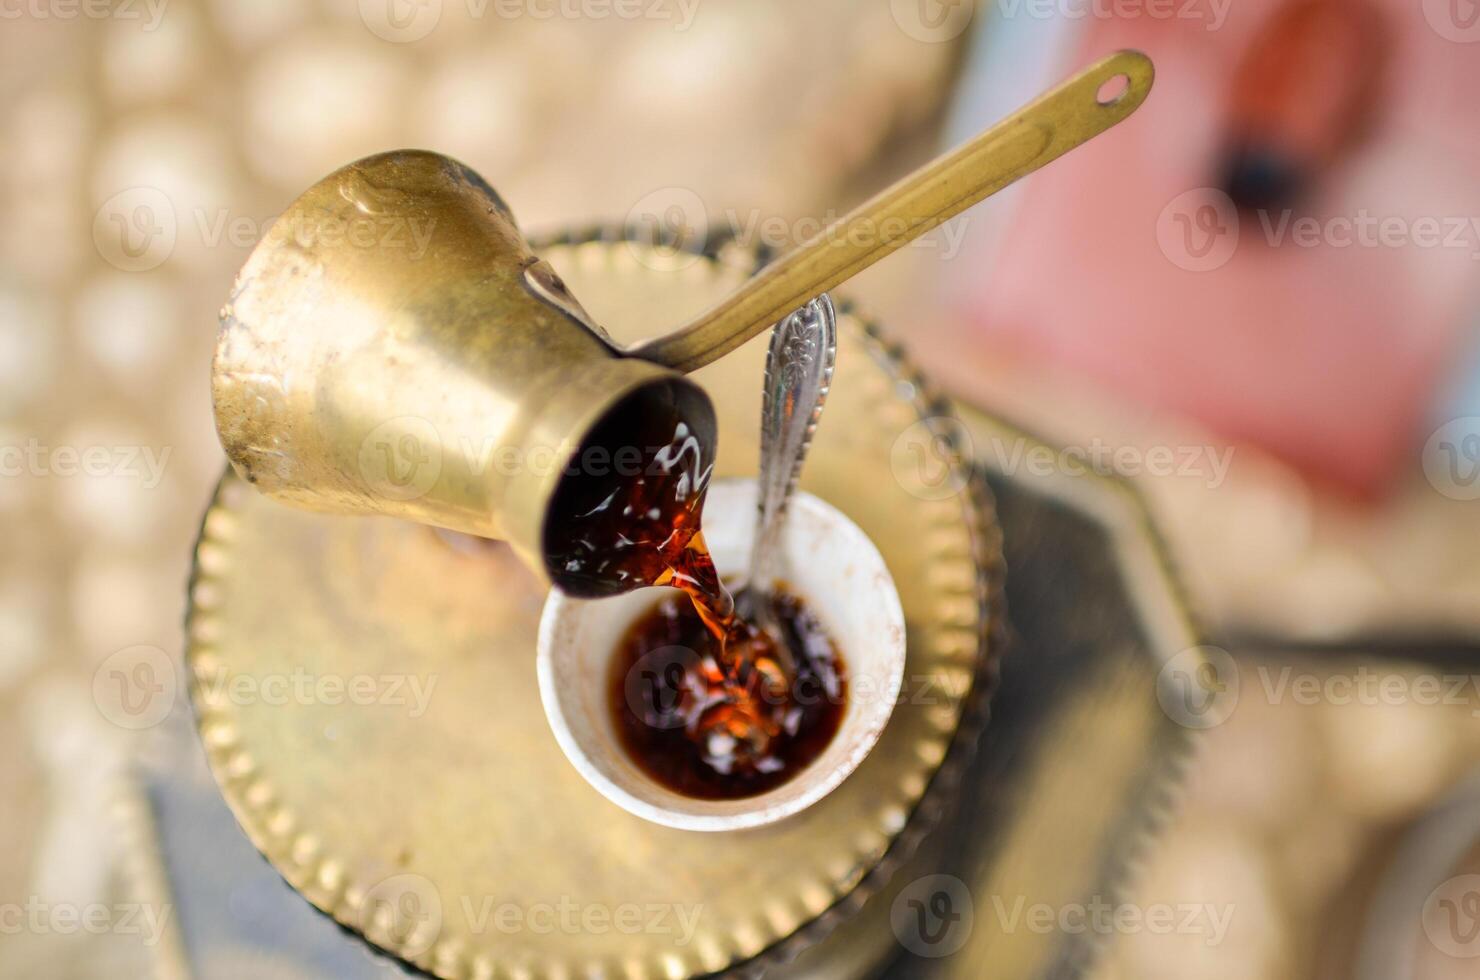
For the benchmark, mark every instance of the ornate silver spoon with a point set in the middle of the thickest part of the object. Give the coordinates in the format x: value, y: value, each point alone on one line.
x: 799, y: 370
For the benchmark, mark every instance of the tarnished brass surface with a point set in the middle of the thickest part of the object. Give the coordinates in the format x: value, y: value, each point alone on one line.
x: 393, y: 347
x: 1037, y: 134
x: 408, y: 829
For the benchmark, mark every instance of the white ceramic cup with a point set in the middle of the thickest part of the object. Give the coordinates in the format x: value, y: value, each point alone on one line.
x: 830, y: 564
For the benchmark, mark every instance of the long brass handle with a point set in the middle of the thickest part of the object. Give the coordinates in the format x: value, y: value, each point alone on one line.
x: 1036, y: 134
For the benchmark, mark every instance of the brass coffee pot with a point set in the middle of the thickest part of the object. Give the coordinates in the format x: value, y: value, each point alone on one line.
x: 392, y: 346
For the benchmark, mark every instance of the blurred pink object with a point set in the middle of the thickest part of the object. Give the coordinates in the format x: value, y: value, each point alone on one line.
x: 1320, y: 333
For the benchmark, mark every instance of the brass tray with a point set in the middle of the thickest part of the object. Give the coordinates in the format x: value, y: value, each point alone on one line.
x: 1082, y: 762
x: 445, y: 826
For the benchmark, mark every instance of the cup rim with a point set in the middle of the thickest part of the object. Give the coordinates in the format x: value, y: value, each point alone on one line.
x: 761, y: 809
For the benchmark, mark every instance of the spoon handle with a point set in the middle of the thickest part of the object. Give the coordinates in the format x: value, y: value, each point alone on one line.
x: 1040, y: 132
x: 799, y: 370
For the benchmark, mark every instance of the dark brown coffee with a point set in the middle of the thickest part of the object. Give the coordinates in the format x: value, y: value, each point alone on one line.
x: 627, y: 509
x: 719, y: 720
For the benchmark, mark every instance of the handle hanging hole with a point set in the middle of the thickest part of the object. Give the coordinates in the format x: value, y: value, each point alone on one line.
x: 1113, y: 89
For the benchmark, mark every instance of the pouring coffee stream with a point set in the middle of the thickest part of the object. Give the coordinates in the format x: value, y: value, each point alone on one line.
x: 733, y: 692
